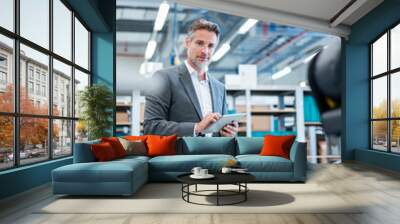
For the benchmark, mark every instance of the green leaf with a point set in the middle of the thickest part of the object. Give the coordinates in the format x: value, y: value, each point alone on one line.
x: 97, y: 103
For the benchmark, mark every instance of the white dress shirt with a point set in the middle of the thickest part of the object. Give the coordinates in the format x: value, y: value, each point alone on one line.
x: 203, y: 91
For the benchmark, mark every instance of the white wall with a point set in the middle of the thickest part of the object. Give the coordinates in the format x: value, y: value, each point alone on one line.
x: 128, y: 75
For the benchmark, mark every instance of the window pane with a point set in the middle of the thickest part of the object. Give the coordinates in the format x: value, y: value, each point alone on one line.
x: 379, y: 98
x: 62, y: 138
x: 6, y: 74
x: 62, y: 89
x: 7, y: 14
x: 395, y: 94
x: 62, y: 29
x: 395, y: 136
x: 379, y: 55
x: 34, y: 80
x: 81, y: 81
x: 6, y: 142
x: 35, y: 21
x: 81, y: 131
x: 395, y: 47
x: 81, y: 45
x: 379, y: 135
x: 33, y: 139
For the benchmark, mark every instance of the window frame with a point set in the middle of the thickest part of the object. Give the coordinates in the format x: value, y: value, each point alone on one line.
x: 388, y: 74
x: 16, y: 114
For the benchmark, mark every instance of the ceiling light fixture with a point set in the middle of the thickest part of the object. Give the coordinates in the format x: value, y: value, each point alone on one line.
x: 142, y: 69
x: 150, y: 49
x: 281, y: 73
x: 309, y: 58
x: 161, y: 16
x: 221, y: 52
x: 247, y: 26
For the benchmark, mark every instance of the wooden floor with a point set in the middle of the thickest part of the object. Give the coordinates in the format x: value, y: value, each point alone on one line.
x: 377, y: 188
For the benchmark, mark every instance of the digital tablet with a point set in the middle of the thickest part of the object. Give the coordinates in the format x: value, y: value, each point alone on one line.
x: 224, y: 120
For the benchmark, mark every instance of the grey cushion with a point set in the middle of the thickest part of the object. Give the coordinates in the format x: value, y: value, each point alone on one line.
x: 133, y: 147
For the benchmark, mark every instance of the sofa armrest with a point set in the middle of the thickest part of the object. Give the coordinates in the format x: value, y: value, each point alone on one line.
x: 298, y: 155
x: 83, y: 152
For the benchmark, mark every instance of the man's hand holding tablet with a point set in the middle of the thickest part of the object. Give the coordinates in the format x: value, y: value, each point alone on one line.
x: 230, y: 130
x: 227, y: 125
x: 206, y: 122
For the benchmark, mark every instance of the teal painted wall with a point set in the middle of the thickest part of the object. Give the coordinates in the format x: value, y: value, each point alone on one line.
x: 356, y: 114
x: 104, y: 52
x: 92, y: 12
x: 379, y: 159
x: 356, y: 108
x: 24, y: 178
x: 99, y: 16
x: 103, y: 59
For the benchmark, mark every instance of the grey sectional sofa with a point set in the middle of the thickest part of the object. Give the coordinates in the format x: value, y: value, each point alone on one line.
x: 125, y: 176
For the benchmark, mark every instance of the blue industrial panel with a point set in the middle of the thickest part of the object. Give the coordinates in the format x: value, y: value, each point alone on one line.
x: 311, y: 112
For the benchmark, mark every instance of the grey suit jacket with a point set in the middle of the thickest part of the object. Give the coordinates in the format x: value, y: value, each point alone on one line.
x: 172, y: 106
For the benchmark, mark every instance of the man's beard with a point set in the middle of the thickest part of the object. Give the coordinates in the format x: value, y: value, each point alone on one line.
x: 202, y: 65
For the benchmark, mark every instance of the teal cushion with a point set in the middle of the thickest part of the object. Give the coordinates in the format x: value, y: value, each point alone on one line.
x: 247, y: 145
x: 257, y: 163
x: 207, y: 145
x: 185, y: 163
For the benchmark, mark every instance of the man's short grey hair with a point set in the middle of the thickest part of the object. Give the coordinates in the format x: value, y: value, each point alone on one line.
x: 202, y: 24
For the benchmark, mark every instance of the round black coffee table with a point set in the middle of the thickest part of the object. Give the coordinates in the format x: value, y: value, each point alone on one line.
x: 238, y: 179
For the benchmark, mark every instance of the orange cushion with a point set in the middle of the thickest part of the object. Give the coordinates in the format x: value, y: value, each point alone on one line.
x: 161, y: 145
x: 116, y: 145
x: 103, y: 152
x: 277, y: 145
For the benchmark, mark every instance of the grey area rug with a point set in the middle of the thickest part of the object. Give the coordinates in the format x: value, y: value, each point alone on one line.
x: 166, y: 198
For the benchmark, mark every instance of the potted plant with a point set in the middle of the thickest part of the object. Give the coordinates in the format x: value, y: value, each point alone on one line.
x: 96, y: 103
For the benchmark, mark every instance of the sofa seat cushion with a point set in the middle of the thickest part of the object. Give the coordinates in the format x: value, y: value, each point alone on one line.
x: 257, y: 163
x: 133, y: 158
x: 185, y: 163
x: 112, y: 171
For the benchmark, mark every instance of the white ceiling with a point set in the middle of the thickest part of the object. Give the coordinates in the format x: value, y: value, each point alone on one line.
x: 321, y: 9
x: 314, y: 15
x: 286, y: 15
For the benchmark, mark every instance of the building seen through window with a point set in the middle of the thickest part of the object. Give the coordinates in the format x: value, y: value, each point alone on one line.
x: 34, y: 142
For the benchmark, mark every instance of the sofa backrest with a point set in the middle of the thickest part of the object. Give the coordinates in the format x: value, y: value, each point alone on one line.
x: 294, y: 148
x: 206, y: 145
x: 83, y: 153
x: 249, y: 145
x: 193, y: 146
